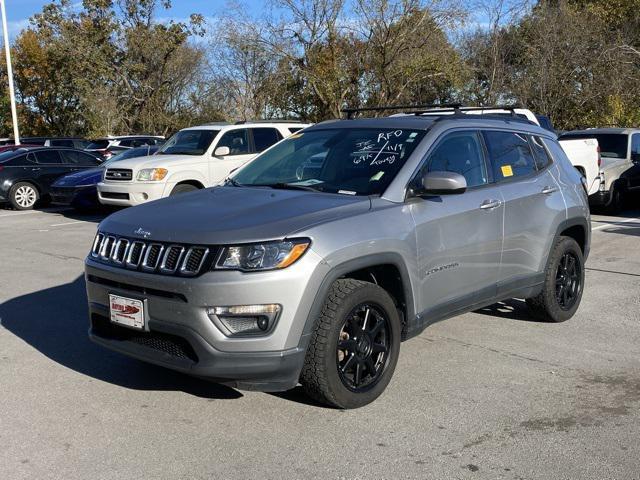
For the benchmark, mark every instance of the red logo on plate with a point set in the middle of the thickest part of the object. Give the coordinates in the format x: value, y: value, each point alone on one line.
x: 125, y: 309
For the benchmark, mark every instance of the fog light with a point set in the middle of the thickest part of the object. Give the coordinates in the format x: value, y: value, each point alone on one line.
x: 239, y: 320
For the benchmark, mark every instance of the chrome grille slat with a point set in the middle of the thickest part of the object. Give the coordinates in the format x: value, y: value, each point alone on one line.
x: 149, y: 257
x: 119, y: 252
x: 134, y: 257
x: 107, y: 247
x: 171, y: 258
x: 193, y: 260
x: 152, y: 257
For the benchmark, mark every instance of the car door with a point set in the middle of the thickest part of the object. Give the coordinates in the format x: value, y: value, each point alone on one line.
x: 237, y: 141
x: 459, y: 236
x: 49, y: 166
x: 76, y: 161
x: 532, y: 205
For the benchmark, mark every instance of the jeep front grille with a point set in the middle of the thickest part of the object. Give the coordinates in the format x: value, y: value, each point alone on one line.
x: 151, y: 257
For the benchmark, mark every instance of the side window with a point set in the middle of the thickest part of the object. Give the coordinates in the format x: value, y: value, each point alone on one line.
x: 540, y: 153
x: 126, y: 143
x: 460, y: 152
x: 263, y: 138
x: 294, y: 129
x: 48, y: 157
x: 236, y: 140
x: 635, y: 147
x: 510, y: 154
x: 78, y: 158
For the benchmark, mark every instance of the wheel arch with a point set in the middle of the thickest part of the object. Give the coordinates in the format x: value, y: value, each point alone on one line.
x: 387, y: 270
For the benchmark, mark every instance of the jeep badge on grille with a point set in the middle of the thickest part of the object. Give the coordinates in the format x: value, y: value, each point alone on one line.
x: 142, y: 233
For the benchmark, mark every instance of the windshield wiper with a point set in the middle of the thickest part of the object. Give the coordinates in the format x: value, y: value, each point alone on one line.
x: 288, y: 186
x: 231, y: 181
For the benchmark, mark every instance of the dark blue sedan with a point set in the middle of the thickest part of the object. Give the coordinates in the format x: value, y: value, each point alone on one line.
x: 79, y: 189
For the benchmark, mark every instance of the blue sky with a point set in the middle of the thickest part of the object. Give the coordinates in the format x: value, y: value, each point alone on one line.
x: 19, y: 11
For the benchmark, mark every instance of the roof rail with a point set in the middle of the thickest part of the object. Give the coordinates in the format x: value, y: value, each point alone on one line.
x: 277, y: 120
x: 350, y: 111
x: 462, y: 109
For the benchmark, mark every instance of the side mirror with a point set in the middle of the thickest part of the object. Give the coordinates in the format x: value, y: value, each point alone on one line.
x: 635, y: 157
x: 221, y: 152
x: 443, y: 183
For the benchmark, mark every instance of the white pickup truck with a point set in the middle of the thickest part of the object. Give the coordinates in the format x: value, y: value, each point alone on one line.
x: 583, y: 153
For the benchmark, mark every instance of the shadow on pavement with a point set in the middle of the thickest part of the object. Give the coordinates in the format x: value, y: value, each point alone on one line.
x: 55, y: 321
x: 513, y: 309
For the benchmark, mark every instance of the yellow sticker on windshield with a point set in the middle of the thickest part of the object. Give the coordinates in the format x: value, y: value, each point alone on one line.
x: 377, y: 176
x: 507, y: 171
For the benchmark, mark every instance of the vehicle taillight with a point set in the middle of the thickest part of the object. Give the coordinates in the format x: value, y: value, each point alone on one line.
x: 599, y: 157
x: 1, y: 167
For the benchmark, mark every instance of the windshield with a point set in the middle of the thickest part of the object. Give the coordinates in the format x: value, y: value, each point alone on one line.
x: 97, y: 145
x: 132, y: 153
x: 612, y: 145
x: 188, y: 142
x: 347, y: 161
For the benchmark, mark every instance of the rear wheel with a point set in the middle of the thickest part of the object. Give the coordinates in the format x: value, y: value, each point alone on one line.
x: 563, y: 284
x: 355, y: 345
x: 183, y: 188
x: 616, y: 200
x: 23, y: 196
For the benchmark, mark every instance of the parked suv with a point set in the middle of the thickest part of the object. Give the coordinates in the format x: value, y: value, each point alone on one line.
x: 192, y: 159
x: 312, y: 262
x: 620, y: 166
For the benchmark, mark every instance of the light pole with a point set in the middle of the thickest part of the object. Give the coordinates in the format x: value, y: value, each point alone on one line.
x: 12, y: 93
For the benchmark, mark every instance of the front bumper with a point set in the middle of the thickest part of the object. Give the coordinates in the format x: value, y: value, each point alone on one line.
x: 181, y: 336
x: 80, y: 196
x: 129, y: 193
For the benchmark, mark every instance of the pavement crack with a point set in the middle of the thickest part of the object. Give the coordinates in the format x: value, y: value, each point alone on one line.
x: 612, y: 271
x: 49, y: 254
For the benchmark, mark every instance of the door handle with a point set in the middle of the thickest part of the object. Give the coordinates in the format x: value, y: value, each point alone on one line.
x: 490, y: 204
x: 549, y: 190
x: 35, y: 169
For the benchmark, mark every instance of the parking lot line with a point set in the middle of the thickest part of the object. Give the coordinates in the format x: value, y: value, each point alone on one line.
x: 67, y: 223
x: 613, y: 224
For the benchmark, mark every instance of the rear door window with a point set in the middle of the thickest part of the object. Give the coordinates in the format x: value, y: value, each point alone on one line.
x: 48, y: 157
x: 72, y: 157
x: 263, y: 138
x: 510, y: 154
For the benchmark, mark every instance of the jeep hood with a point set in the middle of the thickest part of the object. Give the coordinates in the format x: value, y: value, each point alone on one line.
x: 227, y: 215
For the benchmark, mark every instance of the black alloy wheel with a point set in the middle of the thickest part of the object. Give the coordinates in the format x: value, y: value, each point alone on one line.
x: 363, y: 347
x: 568, y: 280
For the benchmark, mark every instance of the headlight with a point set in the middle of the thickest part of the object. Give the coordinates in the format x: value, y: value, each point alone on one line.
x: 152, y: 174
x: 263, y: 256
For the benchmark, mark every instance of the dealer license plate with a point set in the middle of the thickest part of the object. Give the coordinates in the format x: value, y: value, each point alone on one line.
x: 126, y: 311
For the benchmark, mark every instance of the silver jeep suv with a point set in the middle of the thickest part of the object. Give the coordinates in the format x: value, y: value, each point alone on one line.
x: 312, y: 263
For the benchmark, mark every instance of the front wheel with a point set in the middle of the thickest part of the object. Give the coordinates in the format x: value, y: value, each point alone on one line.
x: 563, y: 283
x: 354, y: 347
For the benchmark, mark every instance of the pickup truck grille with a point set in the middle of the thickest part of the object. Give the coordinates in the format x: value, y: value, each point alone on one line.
x: 118, y: 174
x: 151, y: 257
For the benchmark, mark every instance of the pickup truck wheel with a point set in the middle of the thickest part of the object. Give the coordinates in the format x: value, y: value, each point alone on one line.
x: 354, y: 347
x: 183, y: 188
x: 23, y: 196
x: 616, y: 200
x: 563, y: 284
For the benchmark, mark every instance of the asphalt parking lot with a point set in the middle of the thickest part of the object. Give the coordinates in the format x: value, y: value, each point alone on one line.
x: 489, y: 394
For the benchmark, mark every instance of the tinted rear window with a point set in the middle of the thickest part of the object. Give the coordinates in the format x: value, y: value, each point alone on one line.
x: 612, y: 145
x: 263, y: 138
x: 98, y: 145
x: 510, y: 154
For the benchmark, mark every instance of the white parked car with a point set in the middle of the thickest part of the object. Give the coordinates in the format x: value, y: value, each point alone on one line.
x: 194, y: 158
x: 583, y: 153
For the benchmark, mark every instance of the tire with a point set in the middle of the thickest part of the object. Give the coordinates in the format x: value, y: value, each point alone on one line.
x: 560, y: 284
x: 183, y: 188
x: 329, y: 374
x: 617, y: 199
x: 23, y: 196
